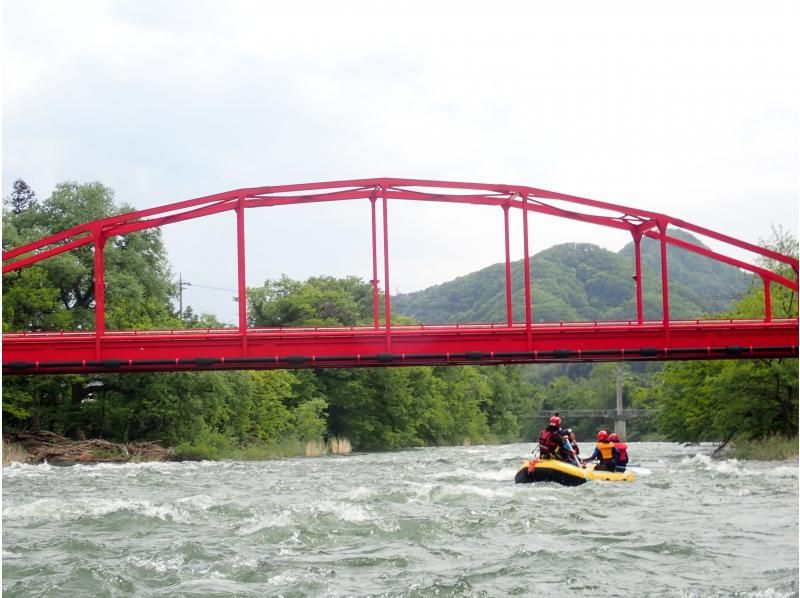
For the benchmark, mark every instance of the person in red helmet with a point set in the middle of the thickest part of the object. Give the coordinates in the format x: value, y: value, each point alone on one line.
x: 551, y: 443
x: 620, y: 452
x: 604, y: 452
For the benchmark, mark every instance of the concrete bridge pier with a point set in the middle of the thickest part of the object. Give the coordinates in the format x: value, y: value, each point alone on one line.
x: 619, y: 420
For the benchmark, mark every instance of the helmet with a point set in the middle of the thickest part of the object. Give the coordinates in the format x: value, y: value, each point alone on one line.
x: 613, y: 437
x: 555, y: 421
x: 602, y: 436
x: 566, y: 431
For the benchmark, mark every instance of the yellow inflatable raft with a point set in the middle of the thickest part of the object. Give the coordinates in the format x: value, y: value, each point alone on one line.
x: 552, y: 470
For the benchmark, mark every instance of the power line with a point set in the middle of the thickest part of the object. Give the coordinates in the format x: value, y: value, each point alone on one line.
x: 185, y: 283
x: 203, y: 286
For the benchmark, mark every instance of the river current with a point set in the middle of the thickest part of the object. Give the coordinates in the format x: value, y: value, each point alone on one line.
x: 423, y: 522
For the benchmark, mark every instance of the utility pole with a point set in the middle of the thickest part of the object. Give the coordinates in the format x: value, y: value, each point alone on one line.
x: 181, y: 284
x: 619, y: 422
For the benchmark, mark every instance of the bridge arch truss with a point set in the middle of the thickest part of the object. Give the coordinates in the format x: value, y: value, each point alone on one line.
x: 384, y: 343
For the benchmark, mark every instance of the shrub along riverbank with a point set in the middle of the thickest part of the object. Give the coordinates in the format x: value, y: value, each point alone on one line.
x: 55, y: 449
x: 771, y: 448
x: 41, y: 447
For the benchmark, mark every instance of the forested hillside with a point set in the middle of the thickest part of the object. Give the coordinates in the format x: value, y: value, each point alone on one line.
x: 581, y: 281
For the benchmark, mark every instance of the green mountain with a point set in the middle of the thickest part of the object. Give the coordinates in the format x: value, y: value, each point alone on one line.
x: 580, y: 282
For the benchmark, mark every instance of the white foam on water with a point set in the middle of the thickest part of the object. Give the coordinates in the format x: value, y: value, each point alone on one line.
x: 284, y: 578
x: 420, y: 490
x: 199, y: 501
x: 48, y: 509
x: 278, y: 519
x: 640, y: 470
x: 765, y: 593
x: 360, y: 493
x: 785, y: 471
x: 16, y: 469
x: 736, y: 468
x: 728, y: 467
x: 769, y: 593
x: 345, y: 511
x: 494, y: 475
x: 456, y: 472
x: 497, y: 475
x: 468, y: 489
x: 157, y: 564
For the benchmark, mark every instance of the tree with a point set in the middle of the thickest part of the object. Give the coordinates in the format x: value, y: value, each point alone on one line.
x: 710, y: 400
x: 319, y: 301
x: 58, y: 294
x: 138, y: 281
x: 22, y: 198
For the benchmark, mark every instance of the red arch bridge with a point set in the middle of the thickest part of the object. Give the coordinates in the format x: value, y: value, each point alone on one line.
x: 384, y: 343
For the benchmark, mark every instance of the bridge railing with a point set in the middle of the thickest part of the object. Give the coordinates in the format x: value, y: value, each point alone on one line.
x: 722, y: 322
x: 598, y: 413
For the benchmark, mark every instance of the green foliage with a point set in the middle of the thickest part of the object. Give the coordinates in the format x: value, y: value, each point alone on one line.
x: 308, y: 420
x: 750, y: 398
x: 320, y: 301
x: 58, y: 293
x: 771, y: 448
x: 207, y: 444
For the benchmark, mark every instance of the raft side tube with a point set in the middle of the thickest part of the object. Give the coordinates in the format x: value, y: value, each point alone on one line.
x: 566, y: 474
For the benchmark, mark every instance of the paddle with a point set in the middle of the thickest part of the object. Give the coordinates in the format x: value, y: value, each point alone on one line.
x: 568, y: 446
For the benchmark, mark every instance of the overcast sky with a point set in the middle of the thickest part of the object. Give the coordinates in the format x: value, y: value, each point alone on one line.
x: 686, y: 108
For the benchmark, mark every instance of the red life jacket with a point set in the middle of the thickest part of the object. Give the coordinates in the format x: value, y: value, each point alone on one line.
x: 622, y: 452
x: 548, y: 441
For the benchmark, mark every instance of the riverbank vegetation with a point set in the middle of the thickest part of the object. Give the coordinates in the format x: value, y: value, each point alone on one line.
x: 260, y: 414
x: 769, y: 448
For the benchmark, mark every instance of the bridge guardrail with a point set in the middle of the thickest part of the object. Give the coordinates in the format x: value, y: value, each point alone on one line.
x: 605, y: 413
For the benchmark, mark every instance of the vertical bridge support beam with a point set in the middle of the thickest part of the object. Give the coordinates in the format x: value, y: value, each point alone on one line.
x: 242, y: 278
x: 99, y: 289
x: 767, y: 299
x: 637, y: 245
x: 662, y: 229
x: 527, y: 267
x: 376, y: 319
x: 509, y: 308
x: 387, y: 307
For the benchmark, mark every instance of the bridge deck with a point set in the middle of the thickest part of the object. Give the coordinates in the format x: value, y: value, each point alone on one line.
x: 193, y: 349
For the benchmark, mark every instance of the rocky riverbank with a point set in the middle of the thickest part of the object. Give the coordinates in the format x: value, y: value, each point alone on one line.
x: 40, y: 447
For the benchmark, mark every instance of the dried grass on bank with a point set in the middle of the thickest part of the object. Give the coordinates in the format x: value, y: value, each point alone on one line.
x: 335, y: 446
x: 772, y: 448
x: 339, y: 446
x: 14, y: 453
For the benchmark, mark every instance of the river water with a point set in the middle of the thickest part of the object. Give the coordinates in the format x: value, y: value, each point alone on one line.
x: 424, y: 522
